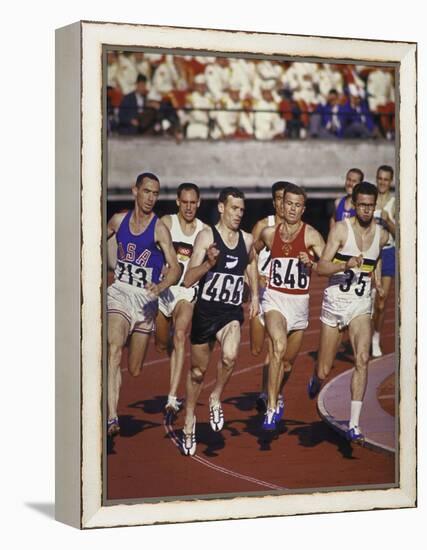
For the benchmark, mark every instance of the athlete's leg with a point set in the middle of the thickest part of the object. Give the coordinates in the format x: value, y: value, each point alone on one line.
x: 162, y: 332
x: 200, y: 356
x: 138, y: 346
x: 379, y: 314
x: 292, y: 349
x: 182, y: 315
x: 360, y: 337
x: 261, y: 401
x: 277, y: 330
x: 264, y: 377
x: 118, y: 329
x: 330, y: 338
x: 229, y: 340
x: 257, y: 335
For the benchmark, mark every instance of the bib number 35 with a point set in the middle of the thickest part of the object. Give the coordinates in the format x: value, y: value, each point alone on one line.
x: 359, y: 284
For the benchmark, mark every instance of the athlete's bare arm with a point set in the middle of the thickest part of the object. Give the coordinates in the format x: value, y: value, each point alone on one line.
x: 114, y: 223
x: 167, y: 220
x: 265, y: 239
x: 377, y: 278
x: 389, y: 224
x: 251, y: 273
x: 314, y: 242
x: 164, y: 240
x: 258, y: 227
x: 332, y: 221
x: 384, y: 238
x: 336, y: 239
x: 198, y: 266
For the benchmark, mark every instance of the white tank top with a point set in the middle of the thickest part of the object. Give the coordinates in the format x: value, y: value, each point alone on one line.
x: 356, y: 280
x: 389, y: 206
x: 182, y: 243
x: 264, y: 257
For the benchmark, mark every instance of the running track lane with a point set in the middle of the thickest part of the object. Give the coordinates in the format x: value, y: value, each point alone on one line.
x: 305, y: 454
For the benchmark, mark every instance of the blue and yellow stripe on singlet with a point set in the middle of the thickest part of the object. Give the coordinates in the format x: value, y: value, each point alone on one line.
x: 368, y: 265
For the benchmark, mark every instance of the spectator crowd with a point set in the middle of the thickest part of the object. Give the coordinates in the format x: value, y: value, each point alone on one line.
x: 197, y: 97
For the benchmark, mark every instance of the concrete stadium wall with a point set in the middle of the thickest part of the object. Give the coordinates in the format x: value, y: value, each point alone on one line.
x: 319, y: 166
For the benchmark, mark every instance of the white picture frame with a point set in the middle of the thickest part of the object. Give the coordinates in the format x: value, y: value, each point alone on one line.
x: 79, y: 297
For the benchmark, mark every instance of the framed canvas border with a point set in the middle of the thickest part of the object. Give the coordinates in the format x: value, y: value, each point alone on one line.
x: 79, y: 298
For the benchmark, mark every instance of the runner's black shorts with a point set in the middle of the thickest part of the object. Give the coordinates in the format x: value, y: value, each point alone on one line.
x: 208, y: 321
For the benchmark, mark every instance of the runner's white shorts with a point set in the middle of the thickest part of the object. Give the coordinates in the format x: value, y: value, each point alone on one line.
x: 136, y: 305
x: 293, y: 307
x: 260, y: 316
x: 174, y: 294
x: 339, y: 308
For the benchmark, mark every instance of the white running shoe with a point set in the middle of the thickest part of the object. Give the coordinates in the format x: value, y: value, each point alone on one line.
x: 376, y: 349
x: 354, y: 435
x: 280, y: 407
x: 216, y: 416
x: 113, y: 427
x: 188, y: 442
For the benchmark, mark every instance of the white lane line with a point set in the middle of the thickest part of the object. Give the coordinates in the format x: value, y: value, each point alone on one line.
x: 171, y: 432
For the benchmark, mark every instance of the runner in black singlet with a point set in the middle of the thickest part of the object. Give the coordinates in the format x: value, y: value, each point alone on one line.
x: 221, y: 256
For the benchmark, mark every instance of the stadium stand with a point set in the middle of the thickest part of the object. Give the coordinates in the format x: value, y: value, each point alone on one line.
x: 201, y: 97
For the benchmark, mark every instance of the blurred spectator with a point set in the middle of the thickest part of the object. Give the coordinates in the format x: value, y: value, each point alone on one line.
x: 353, y: 83
x: 112, y: 69
x: 233, y: 122
x: 142, y: 64
x: 327, y: 78
x: 266, y: 72
x: 358, y: 119
x: 155, y: 59
x: 191, y: 67
x: 381, y: 98
x: 268, y: 124
x: 218, y: 77
x: 301, y: 78
x: 328, y: 121
x: 242, y: 76
x: 380, y: 87
x: 166, y: 77
x: 291, y: 113
x: 312, y: 98
x: 126, y: 74
x: 114, y: 93
x: 198, y: 121
x: 137, y: 114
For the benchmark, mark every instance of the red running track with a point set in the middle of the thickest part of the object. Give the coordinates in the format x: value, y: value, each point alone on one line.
x: 143, y: 462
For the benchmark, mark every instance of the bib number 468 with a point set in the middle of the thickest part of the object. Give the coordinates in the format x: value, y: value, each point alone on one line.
x: 227, y: 289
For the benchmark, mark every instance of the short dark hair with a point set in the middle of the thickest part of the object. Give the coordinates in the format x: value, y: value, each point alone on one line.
x: 385, y: 168
x: 295, y: 190
x: 356, y: 171
x: 141, y: 78
x: 148, y: 175
x: 230, y: 191
x: 278, y: 186
x: 187, y: 186
x: 364, y: 188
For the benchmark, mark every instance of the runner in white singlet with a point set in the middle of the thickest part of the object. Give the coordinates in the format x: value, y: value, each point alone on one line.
x: 176, y: 304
